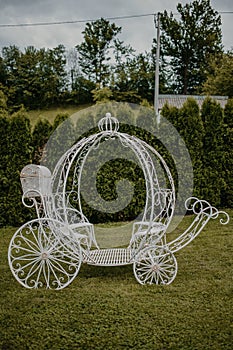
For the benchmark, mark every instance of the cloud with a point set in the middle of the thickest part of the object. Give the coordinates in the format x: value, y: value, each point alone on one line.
x: 138, y: 32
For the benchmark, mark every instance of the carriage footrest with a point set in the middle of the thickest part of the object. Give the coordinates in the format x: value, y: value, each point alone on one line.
x: 108, y: 257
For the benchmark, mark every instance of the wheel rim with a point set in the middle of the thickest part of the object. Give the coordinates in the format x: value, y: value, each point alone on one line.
x: 42, y: 253
x: 155, y: 265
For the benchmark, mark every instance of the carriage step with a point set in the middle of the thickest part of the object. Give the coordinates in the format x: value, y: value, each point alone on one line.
x: 108, y: 257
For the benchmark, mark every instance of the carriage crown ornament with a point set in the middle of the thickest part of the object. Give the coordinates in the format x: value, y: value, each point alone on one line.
x: 49, y: 250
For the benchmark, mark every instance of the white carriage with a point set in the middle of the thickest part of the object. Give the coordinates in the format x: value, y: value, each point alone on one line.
x: 48, y: 251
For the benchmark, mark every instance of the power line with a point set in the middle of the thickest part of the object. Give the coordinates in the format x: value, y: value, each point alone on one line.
x: 72, y: 22
x: 37, y: 24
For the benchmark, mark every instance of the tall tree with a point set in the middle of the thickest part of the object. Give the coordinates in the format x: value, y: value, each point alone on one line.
x: 94, y: 51
x: 34, y: 77
x: 187, y: 43
x: 133, y: 78
x: 219, y: 80
x: 54, y: 68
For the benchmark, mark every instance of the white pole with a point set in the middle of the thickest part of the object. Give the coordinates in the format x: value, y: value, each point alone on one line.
x: 156, y: 93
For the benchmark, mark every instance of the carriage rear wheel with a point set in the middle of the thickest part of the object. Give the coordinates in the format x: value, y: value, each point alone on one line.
x: 43, y: 253
x: 155, y: 265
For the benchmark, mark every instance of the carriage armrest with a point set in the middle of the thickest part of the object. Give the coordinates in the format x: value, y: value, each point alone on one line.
x: 143, y: 227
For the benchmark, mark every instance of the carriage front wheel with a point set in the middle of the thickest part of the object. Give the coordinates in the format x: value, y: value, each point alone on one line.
x: 43, y: 253
x: 155, y: 265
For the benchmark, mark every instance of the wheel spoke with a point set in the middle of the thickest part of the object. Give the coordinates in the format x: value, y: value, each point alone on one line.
x: 33, y: 252
x: 37, y: 265
x: 155, y: 265
x: 39, y: 272
x: 46, y: 274
x: 25, y: 257
x: 32, y: 262
x: 30, y: 244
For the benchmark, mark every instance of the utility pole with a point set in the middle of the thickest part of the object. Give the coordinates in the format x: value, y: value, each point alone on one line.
x: 156, y: 93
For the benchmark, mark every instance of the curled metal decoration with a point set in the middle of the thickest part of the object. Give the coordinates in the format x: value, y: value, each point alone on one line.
x: 203, y: 212
x: 43, y: 253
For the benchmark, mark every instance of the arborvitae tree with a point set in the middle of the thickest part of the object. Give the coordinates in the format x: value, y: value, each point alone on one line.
x: 191, y: 128
x: 40, y: 136
x: 227, y: 158
x: 59, y: 119
x: 213, y: 151
x: 4, y: 163
x: 19, y: 154
x: 171, y: 114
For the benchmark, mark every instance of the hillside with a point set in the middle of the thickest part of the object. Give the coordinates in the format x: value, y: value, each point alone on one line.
x: 51, y: 113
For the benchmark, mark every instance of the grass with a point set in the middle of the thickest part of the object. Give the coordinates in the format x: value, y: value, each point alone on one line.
x: 105, y: 308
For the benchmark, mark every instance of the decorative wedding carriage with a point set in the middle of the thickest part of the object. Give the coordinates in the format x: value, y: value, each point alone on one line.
x: 48, y: 251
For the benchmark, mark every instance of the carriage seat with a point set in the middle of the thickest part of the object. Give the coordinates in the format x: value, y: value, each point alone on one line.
x: 146, y: 233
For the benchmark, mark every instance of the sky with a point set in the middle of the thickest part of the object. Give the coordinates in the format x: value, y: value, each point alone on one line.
x: 138, y: 31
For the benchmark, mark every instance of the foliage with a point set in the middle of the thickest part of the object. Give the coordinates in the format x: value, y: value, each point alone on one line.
x: 61, y: 139
x: 3, y: 103
x: 82, y: 88
x: 2, y: 72
x: 213, y: 179
x: 208, y: 141
x: 34, y: 77
x: 59, y: 119
x: 208, y: 136
x: 105, y: 308
x: 219, y: 79
x: 191, y: 128
x: 15, y: 154
x: 94, y: 53
x: 38, y: 78
x: 102, y: 95
x: 4, y: 163
x: 227, y: 156
x: 133, y: 76
x: 188, y: 43
x: 40, y: 136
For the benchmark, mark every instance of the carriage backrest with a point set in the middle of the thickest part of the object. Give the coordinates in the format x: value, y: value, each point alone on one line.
x: 36, y: 185
x: 35, y: 180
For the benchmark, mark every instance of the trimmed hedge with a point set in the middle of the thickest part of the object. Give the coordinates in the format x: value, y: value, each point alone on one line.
x: 208, y: 134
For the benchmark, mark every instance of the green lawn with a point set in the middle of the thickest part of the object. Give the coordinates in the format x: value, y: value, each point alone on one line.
x: 105, y: 308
